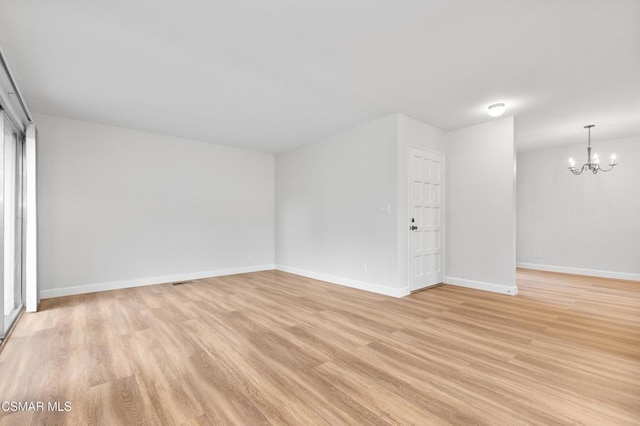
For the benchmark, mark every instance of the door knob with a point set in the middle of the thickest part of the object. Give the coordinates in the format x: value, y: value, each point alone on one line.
x: 413, y: 227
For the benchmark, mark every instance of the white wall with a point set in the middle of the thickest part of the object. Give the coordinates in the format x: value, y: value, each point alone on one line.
x: 329, y: 197
x: 587, y: 224
x: 119, y: 207
x: 411, y: 132
x: 481, y: 206
x: 328, y: 200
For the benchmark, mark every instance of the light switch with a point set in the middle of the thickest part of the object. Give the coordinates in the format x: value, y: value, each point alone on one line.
x: 386, y: 209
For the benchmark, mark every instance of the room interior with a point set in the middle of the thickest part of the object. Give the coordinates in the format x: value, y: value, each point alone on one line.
x: 320, y: 213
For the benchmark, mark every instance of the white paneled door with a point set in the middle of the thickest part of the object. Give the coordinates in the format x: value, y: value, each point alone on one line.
x: 426, y: 213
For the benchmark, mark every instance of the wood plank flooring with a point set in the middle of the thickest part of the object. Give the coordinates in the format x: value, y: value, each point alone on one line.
x: 275, y: 348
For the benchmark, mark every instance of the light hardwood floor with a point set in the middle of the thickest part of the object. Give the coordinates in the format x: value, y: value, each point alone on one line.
x: 272, y: 347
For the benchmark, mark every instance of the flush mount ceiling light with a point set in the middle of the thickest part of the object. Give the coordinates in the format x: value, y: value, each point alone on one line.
x: 594, y: 165
x: 496, y: 110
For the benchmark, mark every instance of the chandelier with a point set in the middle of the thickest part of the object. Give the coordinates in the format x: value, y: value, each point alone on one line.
x: 594, y: 165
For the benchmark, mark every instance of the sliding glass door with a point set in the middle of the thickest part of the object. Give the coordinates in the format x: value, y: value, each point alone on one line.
x: 11, y: 224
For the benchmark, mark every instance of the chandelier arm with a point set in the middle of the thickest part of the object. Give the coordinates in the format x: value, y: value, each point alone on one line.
x: 611, y: 166
x: 578, y: 171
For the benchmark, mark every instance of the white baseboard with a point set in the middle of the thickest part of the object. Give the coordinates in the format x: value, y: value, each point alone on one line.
x: 360, y: 285
x: 480, y: 285
x: 580, y: 271
x: 115, y: 285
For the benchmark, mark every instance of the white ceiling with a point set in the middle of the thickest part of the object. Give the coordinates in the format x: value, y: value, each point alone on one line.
x: 274, y: 74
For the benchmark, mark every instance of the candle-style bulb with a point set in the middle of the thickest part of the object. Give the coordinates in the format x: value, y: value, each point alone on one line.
x: 596, y: 160
x: 613, y: 159
x: 571, y: 162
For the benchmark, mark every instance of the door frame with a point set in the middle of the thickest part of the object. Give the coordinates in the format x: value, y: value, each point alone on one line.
x: 443, y: 217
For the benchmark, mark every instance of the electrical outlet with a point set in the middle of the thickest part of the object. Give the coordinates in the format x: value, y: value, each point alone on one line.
x: 536, y: 253
x: 363, y: 268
